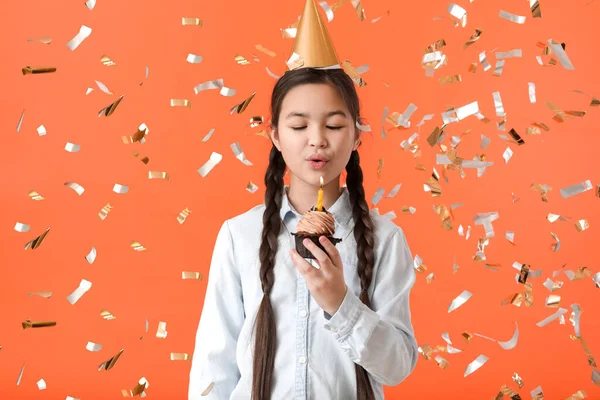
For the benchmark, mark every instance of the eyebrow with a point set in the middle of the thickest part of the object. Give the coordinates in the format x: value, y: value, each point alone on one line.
x: 304, y: 115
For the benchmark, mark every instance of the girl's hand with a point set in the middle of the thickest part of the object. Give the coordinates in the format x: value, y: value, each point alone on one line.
x: 326, y: 284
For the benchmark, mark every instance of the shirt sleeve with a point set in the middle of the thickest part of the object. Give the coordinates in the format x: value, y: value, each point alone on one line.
x: 221, y: 320
x: 381, y: 339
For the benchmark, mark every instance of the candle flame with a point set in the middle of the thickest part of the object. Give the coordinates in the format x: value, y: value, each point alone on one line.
x: 321, y: 179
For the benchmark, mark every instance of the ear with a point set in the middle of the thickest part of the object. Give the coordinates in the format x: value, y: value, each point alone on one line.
x: 358, y: 140
x: 275, y: 138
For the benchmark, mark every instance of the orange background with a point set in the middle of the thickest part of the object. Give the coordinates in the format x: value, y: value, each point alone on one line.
x: 136, y: 286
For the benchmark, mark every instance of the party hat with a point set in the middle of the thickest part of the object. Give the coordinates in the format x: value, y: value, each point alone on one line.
x: 312, y: 47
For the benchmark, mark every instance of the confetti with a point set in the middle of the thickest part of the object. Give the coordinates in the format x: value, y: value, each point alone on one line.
x: 432, y: 185
x: 158, y: 175
x: 582, y: 225
x: 377, y: 196
x: 104, y: 211
x: 214, y: 159
x: 72, y: 147
x: 251, y: 187
x: 84, y: 32
x: 536, y: 12
x: 103, y: 87
x: 558, y: 50
x: 120, y: 189
x: 41, y: 384
x: 106, y: 60
x: 576, y: 189
x: 473, y: 67
x: 510, y: 236
x: 91, y: 257
x: 43, y: 40
x: 387, y: 13
x: 474, y: 37
x: 241, y: 60
x: 193, y: 59
x: 409, y: 210
x: 552, y: 317
x: 394, y: 191
x: 191, y: 21
x: 460, y: 113
x: 20, y: 121
x: 532, y: 98
x: 580, y: 394
x: 459, y: 13
x: 555, y: 246
x: 208, y: 389
x: 239, y: 153
x: 20, y: 375
x: 41, y: 130
x: 429, y: 278
x: 191, y: 275
x: 37, y: 70
x: 208, y: 135
x: 241, y: 107
x: 180, y: 357
x: 483, y: 60
x: 327, y: 9
x: 91, y: 346
x: 139, y: 136
x: 542, y: 189
x: 486, y: 220
x: 513, y: 341
x: 21, y: 227
x: 110, y: 109
x: 181, y: 103
x: 271, y: 74
x: 498, y: 68
x: 137, y: 246
x: 552, y: 301
x: 37, y: 242
x: 475, y: 364
x: 353, y: 73
x: 214, y: 84
x: 84, y: 286
x: 90, y: 4
x: 459, y: 300
x: 44, y: 294
x: 507, y: 155
x: 418, y: 264
x: 138, y: 390
x: 512, y: 17
x: 500, y: 55
x: 110, y: 363
x: 450, y: 79
x: 37, y: 324
x: 107, y: 315
x: 161, y: 332
x: 183, y: 215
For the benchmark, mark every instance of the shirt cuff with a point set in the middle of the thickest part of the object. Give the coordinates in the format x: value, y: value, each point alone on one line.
x: 345, y: 319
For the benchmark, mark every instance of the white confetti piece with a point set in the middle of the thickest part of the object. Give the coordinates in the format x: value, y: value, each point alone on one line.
x: 161, y: 332
x: 84, y: 32
x: 512, y: 17
x: 500, y: 55
x: 271, y: 74
x: 513, y: 341
x: 89, y: 90
x: 459, y: 300
x: 532, y: 98
x: 41, y: 384
x: 76, y: 187
x: 327, y: 9
x: 560, y: 54
x: 394, y: 191
x: 193, y: 59
x: 507, y: 155
x: 552, y: 317
x: 459, y: 13
x: 377, y: 196
x: 91, y: 346
x: 20, y: 227
x: 486, y: 220
x: 120, y: 189
x: 41, y: 130
x: 91, y: 257
x: 84, y: 286
x: 103, y: 87
x: 20, y: 375
x: 476, y: 364
x: 90, y: 4
x: 239, y: 153
x: 20, y: 121
x: 208, y: 135
x: 483, y: 60
x: 72, y: 147
x: 214, y: 159
x: 214, y: 84
x: 251, y: 187
x: 403, y: 120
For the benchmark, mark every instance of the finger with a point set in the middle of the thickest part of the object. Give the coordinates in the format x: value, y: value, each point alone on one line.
x: 305, y: 268
x: 333, y: 253
x: 319, y: 254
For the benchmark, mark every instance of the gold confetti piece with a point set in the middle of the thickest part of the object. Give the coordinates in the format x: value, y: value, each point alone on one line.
x: 180, y: 357
x: 240, y: 108
x: 576, y: 189
x: 432, y: 61
x: 429, y: 278
x: 536, y: 12
x: 161, y: 332
x: 142, y: 131
x: 120, y: 189
x: 450, y: 79
x: 580, y: 394
x: 353, y: 73
x: 239, y: 153
x: 552, y: 301
x: 20, y: 375
x: 265, y: 50
x: 473, y: 67
x: 138, y: 390
x: 37, y: 242
x: 256, y: 121
x: 37, y: 324
x: 559, y: 51
x: 555, y: 246
x: 110, y: 363
x: 514, y: 299
x: 251, y: 187
x: 475, y: 364
x: 72, y: 147
x: 158, y: 175
x: 107, y: 61
x: 516, y: 137
x: 506, y: 391
x: 110, y: 109
x: 44, y: 294
x: 512, y: 17
x: 542, y: 189
x: 84, y: 286
x: 191, y: 21
x: 194, y: 59
x: 43, y: 40
x: 91, y: 346
x: 90, y: 4
x: 84, y: 32
x: 241, y: 60
x: 181, y: 103
x: 37, y: 70
x: 41, y: 130
x: 595, y: 102
x: 408, y: 210
x: 91, y: 257
x: 41, y: 384
x: 442, y: 362
x: 474, y: 37
x: 183, y: 215
x: 104, y: 211
x: 380, y: 164
x: 459, y: 300
x: 420, y: 167
x: 582, y: 225
x: 107, y: 315
x: 547, y: 320
x: 215, y: 158
x: 586, y: 348
x: 191, y: 275
x: 20, y: 227
x: 137, y: 246
x: 208, y: 389
x: 433, y: 185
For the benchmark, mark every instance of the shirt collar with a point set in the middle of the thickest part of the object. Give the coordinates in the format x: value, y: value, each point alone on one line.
x: 341, y: 209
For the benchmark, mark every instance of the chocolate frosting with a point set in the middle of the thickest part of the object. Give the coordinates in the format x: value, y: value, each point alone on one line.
x: 317, y: 223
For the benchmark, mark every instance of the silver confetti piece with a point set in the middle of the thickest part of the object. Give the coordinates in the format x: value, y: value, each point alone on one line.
x: 20, y: 227
x: 214, y: 159
x: 483, y: 60
x: 394, y: 191
x: 507, y: 155
x: 498, y: 104
x: 403, y: 120
x: 208, y: 135
x: 72, y: 147
x: 41, y: 130
x: 84, y: 286
x: 120, y: 189
x: 576, y: 189
x: 512, y: 17
x: 20, y: 121
x: 459, y: 300
x: 576, y: 318
x: 239, y: 153
x: 84, y: 32
x: 327, y: 9
x: 271, y: 74
x: 103, y: 87
x: 91, y: 257
x: 475, y: 365
x: 560, y: 54
x: 377, y: 196
x: 91, y: 346
x: 76, y: 187
x: 513, y: 341
x: 552, y: 317
x: 500, y: 55
x: 194, y: 59
x: 532, y: 98
x: 90, y: 4
x: 386, y: 110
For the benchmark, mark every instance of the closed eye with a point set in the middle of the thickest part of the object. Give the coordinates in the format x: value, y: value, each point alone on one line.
x: 335, y: 128
x: 298, y: 128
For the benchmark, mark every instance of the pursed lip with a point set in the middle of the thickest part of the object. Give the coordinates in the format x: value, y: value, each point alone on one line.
x: 317, y: 157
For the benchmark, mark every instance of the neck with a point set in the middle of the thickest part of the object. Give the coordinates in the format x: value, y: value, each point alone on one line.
x: 303, y: 196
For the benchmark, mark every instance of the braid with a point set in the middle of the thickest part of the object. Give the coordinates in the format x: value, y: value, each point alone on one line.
x: 265, y: 345
x: 363, y: 234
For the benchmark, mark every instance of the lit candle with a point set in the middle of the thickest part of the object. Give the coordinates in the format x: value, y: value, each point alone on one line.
x: 320, y: 198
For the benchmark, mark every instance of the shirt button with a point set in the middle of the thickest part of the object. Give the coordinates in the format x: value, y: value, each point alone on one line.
x: 302, y: 360
x: 303, y: 313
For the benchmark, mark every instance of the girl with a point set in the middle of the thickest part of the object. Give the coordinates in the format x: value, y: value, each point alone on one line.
x: 275, y: 327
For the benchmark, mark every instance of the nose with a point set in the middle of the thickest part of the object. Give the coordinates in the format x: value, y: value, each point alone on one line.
x: 317, y: 138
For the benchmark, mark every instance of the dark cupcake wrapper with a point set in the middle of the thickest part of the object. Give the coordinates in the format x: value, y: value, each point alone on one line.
x: 303, y: 251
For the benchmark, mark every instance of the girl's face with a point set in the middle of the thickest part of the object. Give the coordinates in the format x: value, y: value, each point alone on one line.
x: 314, y: 120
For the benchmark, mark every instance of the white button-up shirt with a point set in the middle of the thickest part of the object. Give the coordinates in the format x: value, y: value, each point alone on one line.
x: 316, y: 352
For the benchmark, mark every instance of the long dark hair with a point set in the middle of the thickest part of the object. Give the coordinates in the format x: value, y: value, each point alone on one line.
x: 264, y: 352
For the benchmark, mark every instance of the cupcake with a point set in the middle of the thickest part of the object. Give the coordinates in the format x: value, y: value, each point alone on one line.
x: 312, y: 225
